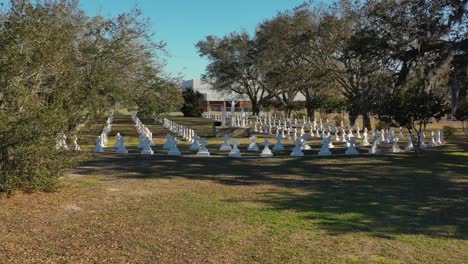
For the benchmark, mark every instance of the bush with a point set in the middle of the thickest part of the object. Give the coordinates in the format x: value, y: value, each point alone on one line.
x: 449, y: 131
x: 193, y: 103
x: 338, y: 118
x: 379, y: 124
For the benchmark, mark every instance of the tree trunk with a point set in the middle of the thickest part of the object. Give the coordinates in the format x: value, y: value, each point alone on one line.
x: 366, y: 120
x: 255, y: 107
x: 310, y: 110
x: 352, y: 118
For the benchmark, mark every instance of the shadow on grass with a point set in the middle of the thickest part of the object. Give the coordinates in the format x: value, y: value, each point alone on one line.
x: 383, y: 196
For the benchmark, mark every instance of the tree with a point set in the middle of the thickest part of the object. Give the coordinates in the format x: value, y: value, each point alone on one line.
x: 232, y: 67
x: 288, y: 46
x: 416, y: 41
x: 193, y: 103
x: 60, y: 69
x: 462, y: 115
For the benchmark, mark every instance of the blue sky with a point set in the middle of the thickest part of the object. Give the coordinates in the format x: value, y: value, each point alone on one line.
x: 182, y: 23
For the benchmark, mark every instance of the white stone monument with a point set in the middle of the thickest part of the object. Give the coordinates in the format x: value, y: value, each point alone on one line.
x: 98, y: 148
x: 121, y: 149
x: 147, y: 147
x: 195, y: 145
x: 324, y: 151
x: 75, y: 147
x: 439, y: 138
x: 253, y: 144
x: 352, y: 147
x: 365, y: 141
x: 266, y: 152
x: 203, y: 151
x: 395, y: 148
x: 305, y: 145
x: 235, y: 150
x: 375, y: 147
x: 409, y: 144
x: 432, y: 142
x: 174, y: 151
x: 225, y: 146
x: 297, y: 151
x: 117, y: 140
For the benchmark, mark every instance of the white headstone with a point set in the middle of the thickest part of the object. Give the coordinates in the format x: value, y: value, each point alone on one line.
x: 433, y: 142
x: 121, y: 149
x: 409, y: 145
x: 439, y: 138
x: 266, y: 152
x: 98, y: 148
x: 297, y: 151
x: 253, y: 144
x: 174, y: 151
x: 279, y: 145
x: 117, y: 140
x: 235, y: 150
x: 395, y: 148
x: 375, y: 148
x: 422, y: 138
x: 225, y: 146
x: 365, y: 141
x: 203, y: 151
x: 352, y: 147
x: 195, y: 145
x: 75, y: 147
x: 324, y: 151
x: 147, y: 147
x: 304, y: 141
x: 167, y: 145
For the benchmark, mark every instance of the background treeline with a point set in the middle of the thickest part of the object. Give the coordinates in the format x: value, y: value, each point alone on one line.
x: 61, y: 69
x: 405, y: 61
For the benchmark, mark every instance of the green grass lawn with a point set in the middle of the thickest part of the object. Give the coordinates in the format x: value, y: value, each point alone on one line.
x: 158, y: 209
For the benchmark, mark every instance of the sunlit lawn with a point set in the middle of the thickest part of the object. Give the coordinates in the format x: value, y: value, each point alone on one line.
x: 153, y: 209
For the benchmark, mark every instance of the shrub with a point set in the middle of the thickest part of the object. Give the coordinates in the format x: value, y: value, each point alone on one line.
x: 379, y: 124
x: 193, y: 103
x: 449, y: 131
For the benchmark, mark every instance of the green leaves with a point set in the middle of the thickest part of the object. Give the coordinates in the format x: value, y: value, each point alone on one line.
x: 60, y: 69
x: 193, y: 103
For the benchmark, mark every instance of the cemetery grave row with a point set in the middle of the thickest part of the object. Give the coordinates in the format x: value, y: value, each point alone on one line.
x: 330, y: 136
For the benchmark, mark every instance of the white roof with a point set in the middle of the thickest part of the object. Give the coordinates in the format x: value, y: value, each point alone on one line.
x: 212, y: 95
x: 209, y: 93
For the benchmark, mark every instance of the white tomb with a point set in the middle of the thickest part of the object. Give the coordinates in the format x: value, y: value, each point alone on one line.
x: 409, y: 144
x: 195, y: 145
x: 235, y: 150
x: 75, y: 147
x: 279, y: 145
x: 297, y: 151
x: 352, y: 147
x: 253, y: 144
x: 121, y: 149
x: 99, y: 148
x: 375, y: 147
x: 266, y: 152
x: 305, y: 145
x: 395, y: 148
x: 439, y: 138
x: 432, y: 143
x: 225, y: 146
x: 147, y: 147
x: 117, y: 140
x: 203, y: 151
x: 324, y: 151
x: 365, y: 141
x: 174, y: 151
